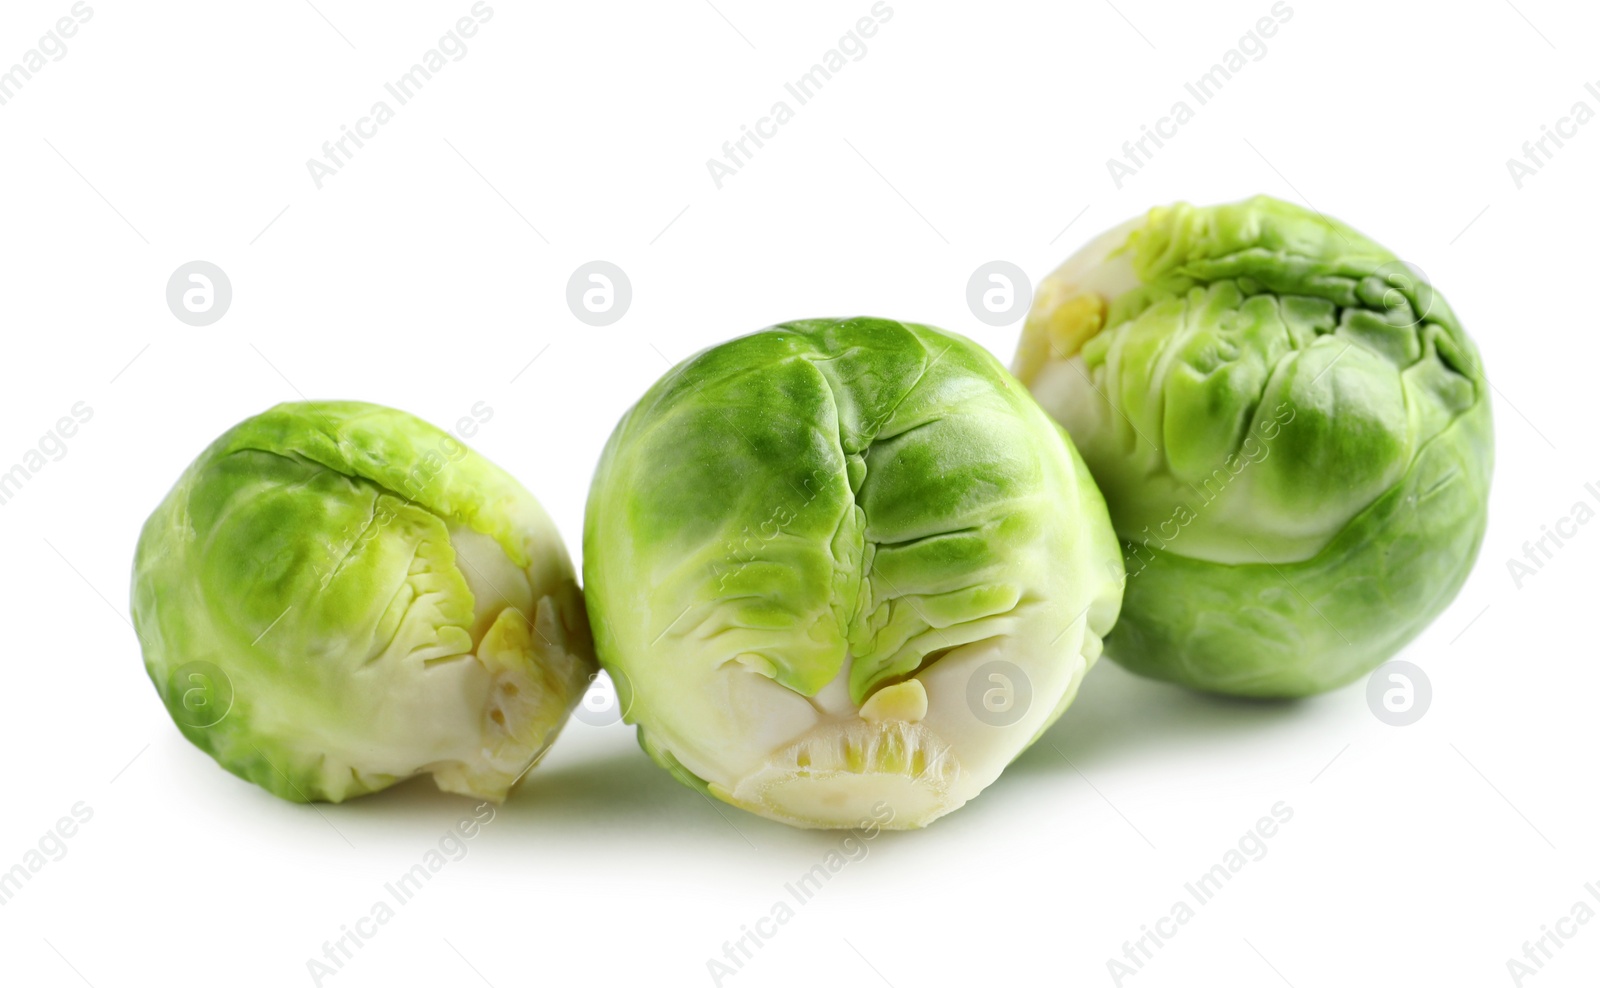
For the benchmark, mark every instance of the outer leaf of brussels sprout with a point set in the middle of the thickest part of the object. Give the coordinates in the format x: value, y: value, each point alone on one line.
x: 337, y: 596
x: 801, y: 545
x: 1292, y: 629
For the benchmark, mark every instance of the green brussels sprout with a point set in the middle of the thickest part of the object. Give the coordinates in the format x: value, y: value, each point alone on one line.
x: 844, y: 570
x: 1291, y: 431
x: 338, y: 596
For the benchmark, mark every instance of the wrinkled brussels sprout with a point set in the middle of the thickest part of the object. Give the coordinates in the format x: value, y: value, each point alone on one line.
x: 338, y: 596
x: 845, y: 569
x: 1291, y: 431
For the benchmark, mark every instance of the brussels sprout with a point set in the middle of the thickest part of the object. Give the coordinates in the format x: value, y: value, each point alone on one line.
x: 338, y: 596
x: 1290, y: 428
x: 845, y: 569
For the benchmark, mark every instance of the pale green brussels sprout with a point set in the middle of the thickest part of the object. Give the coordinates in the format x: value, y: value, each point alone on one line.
x: 338, y: 596
x: 1291, y: 431
x: 843, y: 571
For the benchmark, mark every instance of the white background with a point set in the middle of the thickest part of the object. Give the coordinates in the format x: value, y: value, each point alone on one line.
x: 432, y: 269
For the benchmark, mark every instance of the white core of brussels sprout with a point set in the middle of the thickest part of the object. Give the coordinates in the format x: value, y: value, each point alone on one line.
x: 1098, y: 269
x: 495, y: 581
x: 479, y: 719
x: 1093, y: 269
x: 918, y: 748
